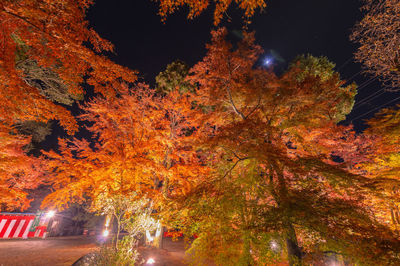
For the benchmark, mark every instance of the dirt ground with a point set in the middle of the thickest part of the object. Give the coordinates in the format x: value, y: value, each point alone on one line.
x: 66, y: 250
x: 50, y: 251
x: 173, y: 253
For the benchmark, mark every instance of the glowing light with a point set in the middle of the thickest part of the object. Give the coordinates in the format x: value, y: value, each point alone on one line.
x: 268, y: 61
x: 106, y: 233
x: 149, y: 237
x: 158, y: 231
x: 274, y: 245
x: 107, y: 221
x: 50, y: 214
x: 334, y: 263
x: 150, y: 261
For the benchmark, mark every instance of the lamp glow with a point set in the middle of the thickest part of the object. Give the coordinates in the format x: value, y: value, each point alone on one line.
x: 274, y: 245
x: 149, y: 237
x: 50, y: 214
x: 106, y: 233
x: 150, y: 261
x: 107, y: 221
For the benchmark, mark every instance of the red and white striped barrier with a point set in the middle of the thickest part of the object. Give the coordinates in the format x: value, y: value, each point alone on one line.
x: 19, y: 226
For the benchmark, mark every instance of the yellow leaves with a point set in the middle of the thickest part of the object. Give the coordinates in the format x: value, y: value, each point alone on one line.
x: 384, y: 166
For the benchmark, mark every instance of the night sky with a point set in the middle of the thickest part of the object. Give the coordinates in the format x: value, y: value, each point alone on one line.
x: 144, y: 43
x: 319, y: 27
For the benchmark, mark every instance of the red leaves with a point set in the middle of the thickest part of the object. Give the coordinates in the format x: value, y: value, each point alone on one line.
x: 54, y: 35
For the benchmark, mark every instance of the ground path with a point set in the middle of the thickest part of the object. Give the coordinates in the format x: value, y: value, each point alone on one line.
x: 57, y: 251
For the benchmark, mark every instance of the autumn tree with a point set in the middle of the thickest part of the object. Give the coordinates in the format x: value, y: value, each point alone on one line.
x: 46, y: 41
x: 47, y: 52
x: 221, y: 6
x: 378, y: 36
x: 381, y: 163
x: 276, y: 188
x: 142, y: 146
x: 379, y: 39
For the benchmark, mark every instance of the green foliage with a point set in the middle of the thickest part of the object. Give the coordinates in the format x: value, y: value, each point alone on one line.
x: 319, y: 71
x: 174, y: 78
x: 133, y: 216
x: 123, y: 254
x: 131, y: 213
x: 313, y: 66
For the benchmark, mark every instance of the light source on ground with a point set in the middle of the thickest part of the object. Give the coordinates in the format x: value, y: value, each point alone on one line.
x: 50, y: 214
x: 106, y: 233
x: 333, y: 263
x: 150, y: 261
x: 274, y: 245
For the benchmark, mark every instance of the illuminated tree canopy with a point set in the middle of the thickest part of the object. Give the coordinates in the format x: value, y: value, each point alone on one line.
x: 255, y: 162
x: 378, y: 36
x: 271, y: 141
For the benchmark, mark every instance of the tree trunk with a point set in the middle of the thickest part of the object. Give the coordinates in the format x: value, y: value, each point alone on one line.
x: 118, y: 229
x: 292, y: 246
x: 293, y: 249
x: 158, y: 242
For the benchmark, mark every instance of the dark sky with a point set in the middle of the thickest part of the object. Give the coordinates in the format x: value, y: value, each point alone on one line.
x: 289, y: 27
x: 318, y: 27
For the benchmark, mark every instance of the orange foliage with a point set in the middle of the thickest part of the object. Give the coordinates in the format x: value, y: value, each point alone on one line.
x: 53, y: 35
x: 272, y: 139
x: 18, y: 171
x: 196, y: 7
x: 56, y: 36
x: 143, y: 147
x: 378, y: 36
